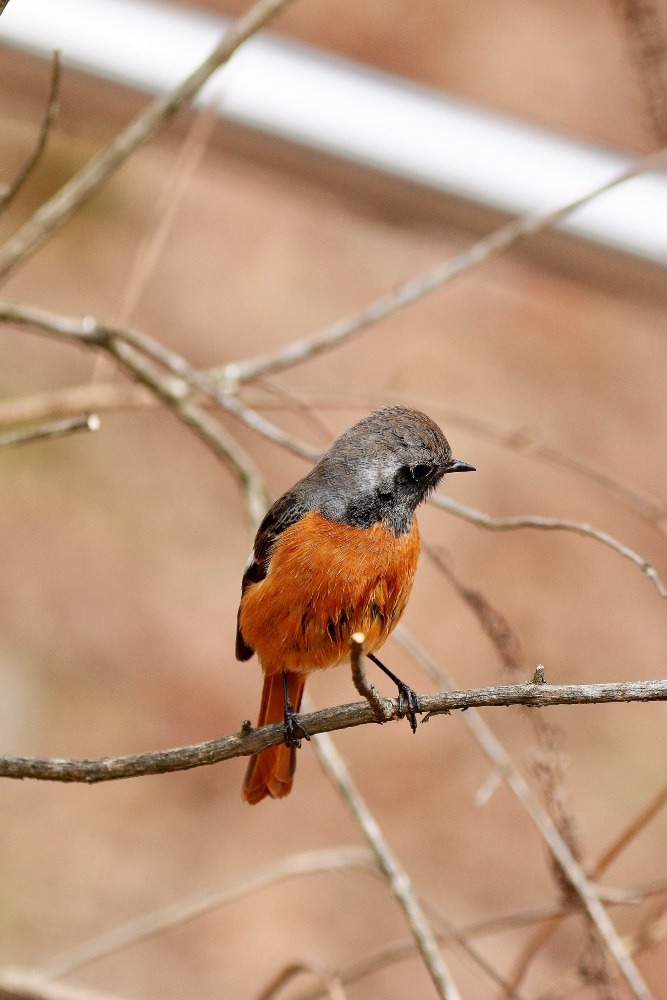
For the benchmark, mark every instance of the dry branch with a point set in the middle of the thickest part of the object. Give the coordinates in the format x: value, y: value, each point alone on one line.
x: 328, y: 720
x: 550, y: 524
x: 48, y: 431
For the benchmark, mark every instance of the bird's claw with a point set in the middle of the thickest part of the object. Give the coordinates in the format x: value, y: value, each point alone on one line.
x: 408, y: 705
x: 294, y: 731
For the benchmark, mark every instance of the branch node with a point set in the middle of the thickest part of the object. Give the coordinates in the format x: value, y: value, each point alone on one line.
x: 538, y: 677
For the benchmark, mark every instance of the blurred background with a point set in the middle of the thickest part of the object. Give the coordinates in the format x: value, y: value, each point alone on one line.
x: 122, y: 551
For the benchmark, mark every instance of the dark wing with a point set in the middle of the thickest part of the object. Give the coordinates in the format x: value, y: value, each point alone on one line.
x: 285, y: 512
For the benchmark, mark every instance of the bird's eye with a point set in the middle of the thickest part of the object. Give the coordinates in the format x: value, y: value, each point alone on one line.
x: 420, y: 472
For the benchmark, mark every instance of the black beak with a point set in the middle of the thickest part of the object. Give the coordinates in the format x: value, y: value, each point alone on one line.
x: 456, y: 466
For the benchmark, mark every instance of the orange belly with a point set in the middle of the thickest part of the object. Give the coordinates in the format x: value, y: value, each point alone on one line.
x: 325, y: 582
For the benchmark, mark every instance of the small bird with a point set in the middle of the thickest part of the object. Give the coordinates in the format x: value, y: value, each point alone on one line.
x: 335, y: 555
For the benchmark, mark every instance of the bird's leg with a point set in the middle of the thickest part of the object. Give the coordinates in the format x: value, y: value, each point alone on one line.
x: 408, y: 699
x: 294, y: 731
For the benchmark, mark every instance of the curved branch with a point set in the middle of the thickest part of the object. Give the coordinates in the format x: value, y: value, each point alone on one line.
x: 250, y: 741
x: 550, y: 524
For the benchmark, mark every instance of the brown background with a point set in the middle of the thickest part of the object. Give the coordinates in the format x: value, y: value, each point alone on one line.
x: 122, y: 551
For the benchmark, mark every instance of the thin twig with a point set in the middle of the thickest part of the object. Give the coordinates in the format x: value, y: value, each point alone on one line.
x: 332, y: 764
x: 327, y: 720
x: 302, y: 350
x: 56, y: 429
x: 381, y: 710
x: 11, y: 190
x: 549, y: 524
x: 176, y: 914
x: 55, y: 212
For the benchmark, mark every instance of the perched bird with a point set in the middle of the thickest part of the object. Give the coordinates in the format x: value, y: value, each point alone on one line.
x: 335, y: 555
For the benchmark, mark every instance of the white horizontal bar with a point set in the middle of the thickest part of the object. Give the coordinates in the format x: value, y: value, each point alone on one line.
x: 339, y: 107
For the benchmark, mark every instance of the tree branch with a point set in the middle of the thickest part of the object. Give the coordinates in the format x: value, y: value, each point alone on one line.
x: 328, y: 720
x: 549, y: 524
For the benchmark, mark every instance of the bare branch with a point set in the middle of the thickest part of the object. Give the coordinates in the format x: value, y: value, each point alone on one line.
x: 175, y: 914
x: 549, y: 524
x: 399, y: 881
x: 55, y: 212
x: 12, y: 189
x: 328, y: 720
x: 299, y: 351
x: 59, y: 428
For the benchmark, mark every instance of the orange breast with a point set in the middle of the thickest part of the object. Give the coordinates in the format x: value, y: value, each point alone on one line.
x: 326, y: 581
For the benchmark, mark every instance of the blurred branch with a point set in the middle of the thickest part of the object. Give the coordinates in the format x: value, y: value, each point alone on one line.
x: 331, y: 984
x: 399, y: 881
x: 175, y: 914
x: 648, y: 52
x: 549, y: 524
x: 23, y: 984
x: 12, y: 189
x: 74, y: 401
x: 582, y: 887
x: 327, y: 720
x: 59, y: 428
x: 55, y: 212
x: 298, y: 351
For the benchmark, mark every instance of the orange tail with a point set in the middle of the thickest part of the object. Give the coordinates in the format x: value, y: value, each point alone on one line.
x: 271, y: 772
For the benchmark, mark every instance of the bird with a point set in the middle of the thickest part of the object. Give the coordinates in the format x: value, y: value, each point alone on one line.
x: 335, y: 555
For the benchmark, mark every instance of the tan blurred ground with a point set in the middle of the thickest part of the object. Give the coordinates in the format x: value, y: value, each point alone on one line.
x: 122, y: 551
